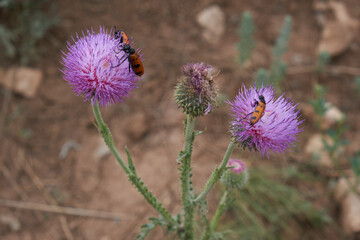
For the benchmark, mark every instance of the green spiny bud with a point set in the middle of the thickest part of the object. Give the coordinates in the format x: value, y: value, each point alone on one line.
x: 236, y: 176
x: 196, y: 92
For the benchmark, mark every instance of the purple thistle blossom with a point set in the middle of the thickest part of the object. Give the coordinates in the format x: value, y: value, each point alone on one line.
x: 197, y: 73
x: 92, y: 68
x: 199, y: 76
x: 277, y: 128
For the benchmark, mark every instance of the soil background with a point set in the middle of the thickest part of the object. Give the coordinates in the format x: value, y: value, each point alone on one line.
x: 149, y: 122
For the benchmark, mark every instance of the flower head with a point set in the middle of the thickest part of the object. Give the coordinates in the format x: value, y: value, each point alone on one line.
x: 237, y: 176
x: 274, y: 131
x: 196, y: 92
x: 95, y: 68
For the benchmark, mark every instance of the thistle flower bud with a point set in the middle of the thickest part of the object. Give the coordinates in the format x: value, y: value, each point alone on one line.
x: 196, y: 92
x: 237, y: 176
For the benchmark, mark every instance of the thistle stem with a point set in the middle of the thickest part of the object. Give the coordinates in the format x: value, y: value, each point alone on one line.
x: 219, y: 211
x: 217, y: 173
x: 106, y: 134
x: 186, y: 178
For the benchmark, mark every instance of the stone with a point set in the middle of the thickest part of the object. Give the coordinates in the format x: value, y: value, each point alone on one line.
x: 67, y: 146
x: 22, y: 80
x: 341, y: 190
x: 350, y: 216
x: 333, y: 114
x: 12, y: 222
x: 315, y: 148
x: 350, y: 206
x: 338, y: 34
x: 212, y: 19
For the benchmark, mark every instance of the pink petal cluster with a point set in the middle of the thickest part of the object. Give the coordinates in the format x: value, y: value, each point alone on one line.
x: 237, y: 165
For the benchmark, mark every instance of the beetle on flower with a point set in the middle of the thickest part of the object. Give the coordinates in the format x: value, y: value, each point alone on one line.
x: 277, y: 128
x: 88, y: 68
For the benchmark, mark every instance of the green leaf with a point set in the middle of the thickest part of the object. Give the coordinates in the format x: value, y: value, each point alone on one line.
x: 181, y: 156
x: 6, y: 3
x: 318, y: 103
x: 130, y: 162
x: 355, y: 163
x: 281, y: 42
x: 146, y: 228
x: 323, y: 60
x: 196, y: 133
x: 6, y: 39
x: 278, y: 67
x: 246, y: 33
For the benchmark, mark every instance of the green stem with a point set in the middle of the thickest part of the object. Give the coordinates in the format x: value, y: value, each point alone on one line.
x: 150, y: 198
x: 105, y: 133
x: 221, y: 208
x: 217, y: 173
x: 186, y: 178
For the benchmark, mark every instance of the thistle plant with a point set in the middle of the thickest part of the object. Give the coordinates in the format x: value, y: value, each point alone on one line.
x: 97, y: 68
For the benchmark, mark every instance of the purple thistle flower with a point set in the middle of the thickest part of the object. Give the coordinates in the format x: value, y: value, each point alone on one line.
x: 277, y: 128
x: 94, y: 68
x: 197, y: 73
x: 237, y: 165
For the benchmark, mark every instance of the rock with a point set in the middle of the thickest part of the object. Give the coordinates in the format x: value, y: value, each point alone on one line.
x: 350, y: 216
x: 338, y: 34
x: 22, y: 80
x: 350, y: 206
x: 212, y: 19
x: 70, y: 144
x: 332, y: 115
x: 316, y: 149
x: 341, y: 190
x: 10, y: 221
